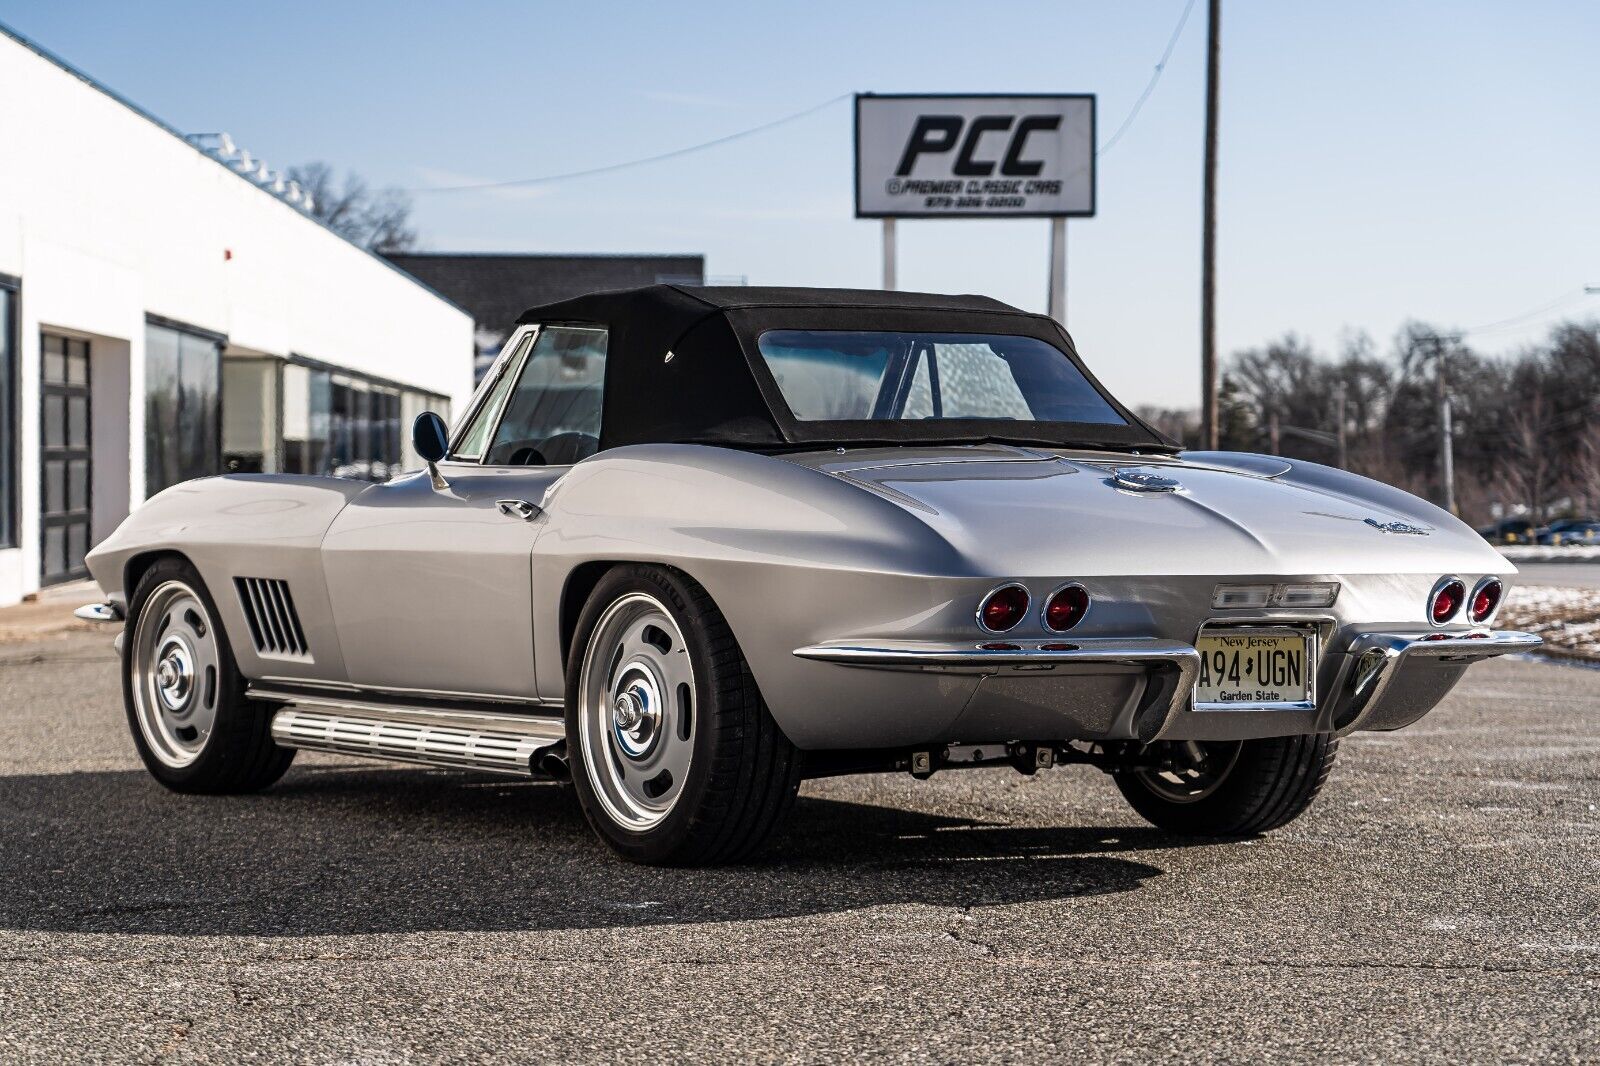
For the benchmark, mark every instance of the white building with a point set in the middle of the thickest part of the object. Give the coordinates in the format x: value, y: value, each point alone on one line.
x: 164, y: 315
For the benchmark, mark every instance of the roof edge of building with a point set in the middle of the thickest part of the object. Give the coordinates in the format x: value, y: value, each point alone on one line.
x: 105, y: 90
x: 545, y: 255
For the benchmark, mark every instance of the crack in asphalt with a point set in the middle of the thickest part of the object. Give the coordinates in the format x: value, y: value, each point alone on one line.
x: 992, y: 956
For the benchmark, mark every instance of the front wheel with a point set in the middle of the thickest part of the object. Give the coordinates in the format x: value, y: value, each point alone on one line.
x: 1229, y: 788
x: 194, y: 727
x: 676, y: 758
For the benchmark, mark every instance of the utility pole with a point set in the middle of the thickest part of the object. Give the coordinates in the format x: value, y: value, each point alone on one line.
x: 1208, y: 243
x: 1447, y: 458
x: 1272, y: 434
x: 1338, y: 404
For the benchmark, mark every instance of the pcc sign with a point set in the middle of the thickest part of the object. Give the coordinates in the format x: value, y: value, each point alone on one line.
x: 974, y: 156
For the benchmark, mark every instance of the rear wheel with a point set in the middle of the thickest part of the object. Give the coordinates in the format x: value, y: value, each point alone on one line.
x: 1229, y: 788
x: 184, y: 695
x: 676, y: 758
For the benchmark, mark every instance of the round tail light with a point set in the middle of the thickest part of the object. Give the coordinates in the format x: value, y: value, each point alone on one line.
x: 1446, y: 600
x: 1003, y: 608
x: 1066, y: 608
x: 1485, y: 598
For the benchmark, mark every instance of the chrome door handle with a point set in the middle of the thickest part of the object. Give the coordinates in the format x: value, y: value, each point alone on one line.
x: 518, y: 509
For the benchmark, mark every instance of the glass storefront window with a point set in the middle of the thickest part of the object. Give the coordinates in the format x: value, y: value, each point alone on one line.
x: 347, y: 425
x: 250, y: 416
x: 297, y: 445
x: 182, y: 406
x: 258, y: 414
x: 413, y: 404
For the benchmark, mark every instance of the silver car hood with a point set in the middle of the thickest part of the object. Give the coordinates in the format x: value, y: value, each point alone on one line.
x: 1026, y: 511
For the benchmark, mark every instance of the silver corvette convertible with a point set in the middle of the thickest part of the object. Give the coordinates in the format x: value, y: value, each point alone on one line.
x: 688, y: 547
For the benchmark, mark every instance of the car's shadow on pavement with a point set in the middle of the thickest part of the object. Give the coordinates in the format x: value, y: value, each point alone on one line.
x: 334, y: 850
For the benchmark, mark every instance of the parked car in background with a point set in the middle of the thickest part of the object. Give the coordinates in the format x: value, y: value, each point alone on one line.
x: 1510, y: 531
x: 1569, y: 531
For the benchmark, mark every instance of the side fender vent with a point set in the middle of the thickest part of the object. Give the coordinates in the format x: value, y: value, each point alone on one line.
x: 274, y: 623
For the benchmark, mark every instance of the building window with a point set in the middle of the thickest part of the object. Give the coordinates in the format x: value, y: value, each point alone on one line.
x: 182, y: 409
x: 9, y: 444
x: 344, y: 424
x: 250, y: 415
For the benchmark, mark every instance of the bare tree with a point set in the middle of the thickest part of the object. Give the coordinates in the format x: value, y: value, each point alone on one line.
x: 1527, y: 433
x: 1238, y: 428
x: 1583, y: 470
x: 379, y: 221
x: 1181, y: 426
x: 1527, y: 470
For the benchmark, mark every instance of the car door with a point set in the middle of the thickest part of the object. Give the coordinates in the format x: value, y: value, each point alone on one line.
x: 430, y: 581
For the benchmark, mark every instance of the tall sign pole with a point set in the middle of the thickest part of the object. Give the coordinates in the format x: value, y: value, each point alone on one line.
x: 888, y: 254
x: 988, y: 156
x: 1208, y: 245
x: 1058, y: 270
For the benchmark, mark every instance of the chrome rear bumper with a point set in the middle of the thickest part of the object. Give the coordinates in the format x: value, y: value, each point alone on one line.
x: 1139, y: 687
x: 1375, y: 680
x: 1470, y: 647
x: 1393, y: 679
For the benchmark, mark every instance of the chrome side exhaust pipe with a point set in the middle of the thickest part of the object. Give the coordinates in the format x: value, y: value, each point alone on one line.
x: 515, y: 745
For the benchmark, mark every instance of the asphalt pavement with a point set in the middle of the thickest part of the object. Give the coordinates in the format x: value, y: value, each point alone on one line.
x: 1439, y: 903
x: 1561, y: 575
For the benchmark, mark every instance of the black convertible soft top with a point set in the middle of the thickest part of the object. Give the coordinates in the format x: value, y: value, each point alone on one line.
x: 682, y: 366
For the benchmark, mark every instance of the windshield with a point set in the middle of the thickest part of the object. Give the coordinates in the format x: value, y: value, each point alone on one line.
x: 852, y: 375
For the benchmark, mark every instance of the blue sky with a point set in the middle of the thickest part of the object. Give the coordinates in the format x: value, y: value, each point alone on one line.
x: 1379, y: 160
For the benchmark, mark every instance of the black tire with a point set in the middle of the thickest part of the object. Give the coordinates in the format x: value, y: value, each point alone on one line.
x: 237, y: 753
x: 1269, y: 784
x: 742, y: 773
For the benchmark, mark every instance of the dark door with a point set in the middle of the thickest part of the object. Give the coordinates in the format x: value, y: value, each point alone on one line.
x: 66, y: 474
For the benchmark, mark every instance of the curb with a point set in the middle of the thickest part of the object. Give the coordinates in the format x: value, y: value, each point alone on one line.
x: 1532, y: 553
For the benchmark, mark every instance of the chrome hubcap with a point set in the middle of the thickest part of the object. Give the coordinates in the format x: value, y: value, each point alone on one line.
x: 637, y: 717
x: 636, y: 714
x: 174, y: 659
x: 175, y: 674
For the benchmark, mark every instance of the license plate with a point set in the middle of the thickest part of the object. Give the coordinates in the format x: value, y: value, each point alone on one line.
x: 1254, y: 668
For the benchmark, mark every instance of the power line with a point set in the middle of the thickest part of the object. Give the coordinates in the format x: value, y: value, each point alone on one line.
x: 610, y: 168
x: 1564, y: 300
x: 1150, y: 87
x: 550, y: 179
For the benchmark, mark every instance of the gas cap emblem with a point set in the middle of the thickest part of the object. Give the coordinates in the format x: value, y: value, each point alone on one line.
x: 1135, y: 480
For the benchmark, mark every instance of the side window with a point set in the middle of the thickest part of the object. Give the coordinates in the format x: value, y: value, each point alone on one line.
x: 552, y: 417
x: 472, y: 443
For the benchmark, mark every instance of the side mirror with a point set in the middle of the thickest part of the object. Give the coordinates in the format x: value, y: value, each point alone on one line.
x: 430, y: 437
x: 432, y: 441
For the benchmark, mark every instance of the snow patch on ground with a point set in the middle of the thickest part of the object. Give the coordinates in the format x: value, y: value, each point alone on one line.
x: 1567, y: 618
